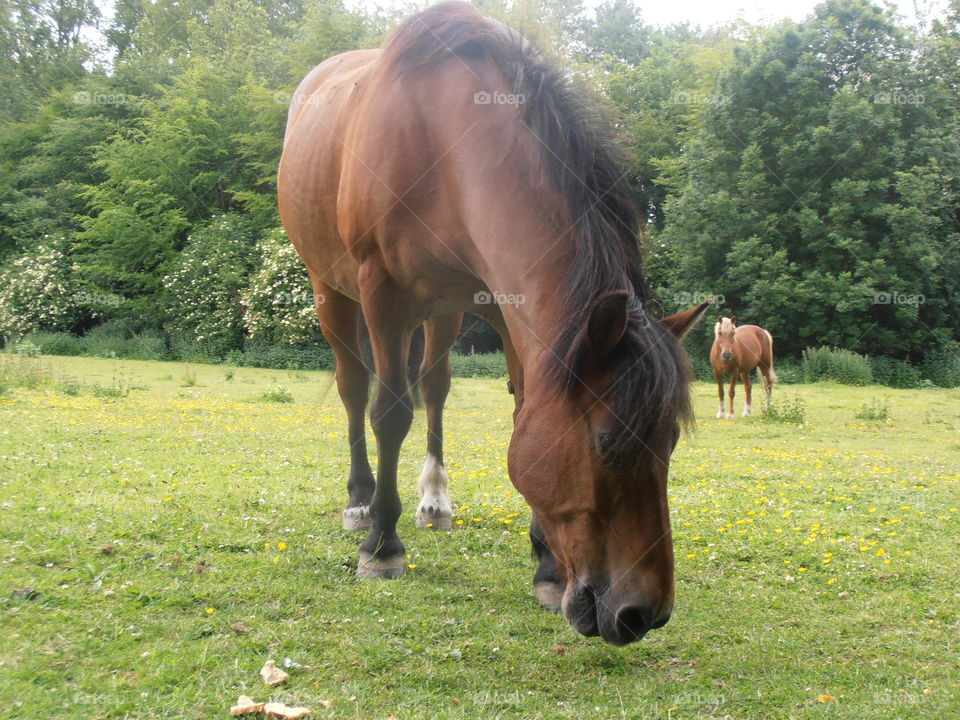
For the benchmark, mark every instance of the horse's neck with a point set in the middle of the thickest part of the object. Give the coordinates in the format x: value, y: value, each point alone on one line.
x: 536, y: 320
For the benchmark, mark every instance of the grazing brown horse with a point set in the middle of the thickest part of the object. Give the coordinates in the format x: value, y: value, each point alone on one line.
x: 736, y: 352
x: 456, y: 170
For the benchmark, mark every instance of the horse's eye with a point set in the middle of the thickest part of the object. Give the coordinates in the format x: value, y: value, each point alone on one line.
x: 603, y: 443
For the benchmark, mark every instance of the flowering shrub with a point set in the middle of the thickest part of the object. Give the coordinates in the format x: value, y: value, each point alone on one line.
x: 36, y: 291
x: 279, y: 298
x: 204, y: 288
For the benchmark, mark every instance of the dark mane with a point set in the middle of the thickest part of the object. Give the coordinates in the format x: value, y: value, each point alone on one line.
x: 580, y: 160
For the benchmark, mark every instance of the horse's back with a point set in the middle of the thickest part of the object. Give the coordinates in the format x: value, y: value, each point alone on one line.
x: 753, y: 341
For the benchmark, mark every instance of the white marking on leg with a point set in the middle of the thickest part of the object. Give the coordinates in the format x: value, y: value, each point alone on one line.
x: 746, y: 410
x: 721, y: 412
x: 357, y: 518
x: 434, y: 509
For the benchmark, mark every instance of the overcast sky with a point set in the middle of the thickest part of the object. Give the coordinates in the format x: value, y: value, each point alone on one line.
x: 713, y: 12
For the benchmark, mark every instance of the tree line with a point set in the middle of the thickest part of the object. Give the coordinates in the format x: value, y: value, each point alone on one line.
x: 805, y: 175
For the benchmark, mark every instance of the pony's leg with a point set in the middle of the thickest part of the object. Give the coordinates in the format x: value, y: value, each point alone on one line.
x: 340, y: 322
x: 389, y: 321
x: 767, y: 379
x: 748, y: 391
x: 732, y: 393
x: 548, y: 581
x: 721, y: 413
x: 439, y: 335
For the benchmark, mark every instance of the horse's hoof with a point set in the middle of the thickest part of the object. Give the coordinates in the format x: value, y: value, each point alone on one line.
x: 720, y: 415
x: 357, y: 518
x: 434, y: 522
x: 371, y: 566
x: 549, y: 595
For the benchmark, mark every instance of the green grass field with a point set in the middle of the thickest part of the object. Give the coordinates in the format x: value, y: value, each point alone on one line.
x: 164, y: 529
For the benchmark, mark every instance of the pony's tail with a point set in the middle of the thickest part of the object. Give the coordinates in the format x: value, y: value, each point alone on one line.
x: 773, y: 375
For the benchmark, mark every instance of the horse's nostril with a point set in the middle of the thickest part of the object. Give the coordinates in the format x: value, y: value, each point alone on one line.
x: 632, y: 623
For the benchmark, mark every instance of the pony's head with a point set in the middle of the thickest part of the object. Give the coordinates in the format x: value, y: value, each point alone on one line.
x: 723, y: 333
x: 592, y: 461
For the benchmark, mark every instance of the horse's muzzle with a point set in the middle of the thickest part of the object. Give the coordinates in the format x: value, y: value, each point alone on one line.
x: 592, y: 611
x: 727, y: 356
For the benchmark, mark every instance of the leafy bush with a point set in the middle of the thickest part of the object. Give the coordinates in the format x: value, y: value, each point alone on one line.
x: 789, y: 371
x: 264, y: 354
x: 185, y: 347
x: 56, y: 343
x: 204, y: 288
x: 490, y: 365
x: 700, y: 365
x: 894, y: 373
x: 25, y: 348
x: 786, y: 410
x: 278, y: 394
x: 279, y: 300
x: 36, y: 291
x: 108, y: 340
x: 147, y: 345
x: 836, y: 364
x: 942, y: 367
x: 874, y: 410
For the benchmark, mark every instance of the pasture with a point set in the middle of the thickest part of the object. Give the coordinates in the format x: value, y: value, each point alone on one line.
x: 166, y: 528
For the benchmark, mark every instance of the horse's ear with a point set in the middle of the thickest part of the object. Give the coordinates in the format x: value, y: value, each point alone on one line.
x: 681, y: 323
x: 733, y: 319
x: 608, y: 322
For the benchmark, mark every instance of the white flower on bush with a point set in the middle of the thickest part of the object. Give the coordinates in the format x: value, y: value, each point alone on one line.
x: 279, y: 299
x: 36, y: 292
x: 204, y: 288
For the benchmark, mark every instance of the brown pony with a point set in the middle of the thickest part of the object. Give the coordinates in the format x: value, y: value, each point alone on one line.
x: 456, y: 170
x: 736, y: 352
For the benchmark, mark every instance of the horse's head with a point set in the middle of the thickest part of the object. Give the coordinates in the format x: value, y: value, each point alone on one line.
x: 592, y: 461
x: 723, y: 333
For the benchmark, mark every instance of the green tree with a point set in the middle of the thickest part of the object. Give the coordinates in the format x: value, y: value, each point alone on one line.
x: 815, y: 198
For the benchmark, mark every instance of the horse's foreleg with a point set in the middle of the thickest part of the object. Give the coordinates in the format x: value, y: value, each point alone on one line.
x: 339, y: 320
x: 548, y: 581
x: 439, y: 335
x: 386, y: 311
x: 721, y: 413
x: 748, y: 392
x: 514, y: 369
x: 732, y: 393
